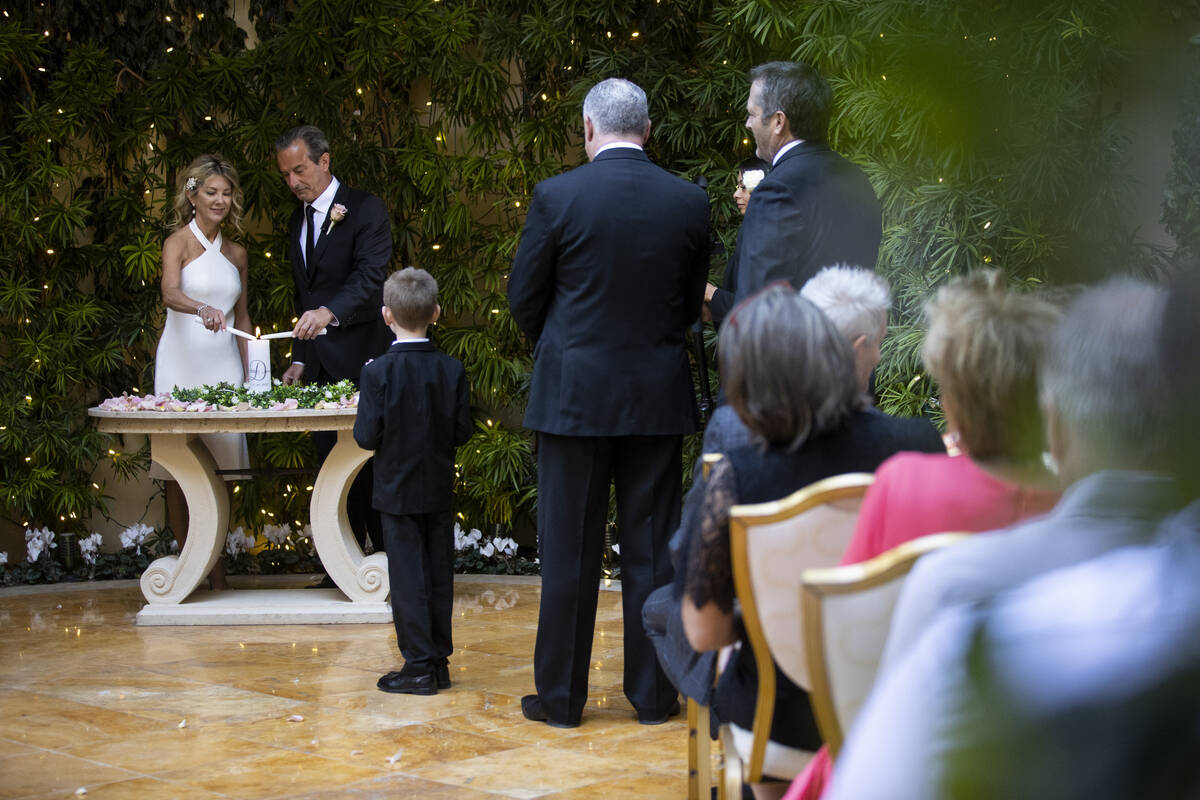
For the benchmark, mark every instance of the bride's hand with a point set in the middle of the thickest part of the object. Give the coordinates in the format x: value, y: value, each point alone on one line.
x: 214, y: 318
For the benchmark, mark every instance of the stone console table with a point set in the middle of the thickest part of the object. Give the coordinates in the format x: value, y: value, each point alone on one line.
x: 168, y: 583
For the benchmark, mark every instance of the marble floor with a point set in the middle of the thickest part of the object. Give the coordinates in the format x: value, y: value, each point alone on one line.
x: 91, y: 705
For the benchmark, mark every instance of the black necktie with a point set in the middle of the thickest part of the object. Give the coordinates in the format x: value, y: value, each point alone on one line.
x: 308, y: 238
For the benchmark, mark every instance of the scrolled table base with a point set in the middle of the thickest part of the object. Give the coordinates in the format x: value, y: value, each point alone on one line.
x: 362, y: 578
x: 172, y: 578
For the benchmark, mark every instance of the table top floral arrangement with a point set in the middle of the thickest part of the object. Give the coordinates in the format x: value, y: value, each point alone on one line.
x: 226, y: 397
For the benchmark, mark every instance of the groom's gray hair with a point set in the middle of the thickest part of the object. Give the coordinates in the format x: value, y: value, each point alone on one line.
x: 312, y: 136
x: 616, y: 105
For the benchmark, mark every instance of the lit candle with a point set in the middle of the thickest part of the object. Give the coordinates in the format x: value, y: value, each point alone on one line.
x: 258, y: 369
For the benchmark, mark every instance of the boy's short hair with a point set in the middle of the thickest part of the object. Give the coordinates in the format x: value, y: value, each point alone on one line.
x: 412, y: 296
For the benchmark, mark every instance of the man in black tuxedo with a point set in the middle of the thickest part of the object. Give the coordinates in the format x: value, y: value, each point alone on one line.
x: 608, y: 275
x: 814, y: 208
x: 339, y: 244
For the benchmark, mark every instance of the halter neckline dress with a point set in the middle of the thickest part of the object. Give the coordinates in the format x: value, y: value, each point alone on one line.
x: 189, y: 355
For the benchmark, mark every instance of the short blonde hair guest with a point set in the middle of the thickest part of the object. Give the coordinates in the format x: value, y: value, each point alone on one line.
x: 192, y: 178
x: 984, y: 346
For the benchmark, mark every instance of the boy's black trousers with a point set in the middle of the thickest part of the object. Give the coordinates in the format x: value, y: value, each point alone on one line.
x: 420, y: 554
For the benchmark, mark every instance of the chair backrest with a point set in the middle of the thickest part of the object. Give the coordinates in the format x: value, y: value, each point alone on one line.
x: 772, y: 544
x: 846, y: 614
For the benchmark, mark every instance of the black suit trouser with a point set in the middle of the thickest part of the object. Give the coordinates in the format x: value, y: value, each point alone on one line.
x: 420, y: 554
x: 574, y: 474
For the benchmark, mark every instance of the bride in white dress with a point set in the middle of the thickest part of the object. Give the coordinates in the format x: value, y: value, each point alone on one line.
x: 204, y: 290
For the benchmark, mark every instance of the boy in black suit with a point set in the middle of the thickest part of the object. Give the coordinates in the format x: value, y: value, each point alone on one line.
x: 413, y: 410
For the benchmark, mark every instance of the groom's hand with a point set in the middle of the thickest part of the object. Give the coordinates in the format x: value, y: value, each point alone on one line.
x: 311, y: 323
x: 292, y: 374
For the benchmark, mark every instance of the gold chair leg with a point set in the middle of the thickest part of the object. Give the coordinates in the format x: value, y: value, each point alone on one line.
x: 731, y: 768
x: 699, y: 752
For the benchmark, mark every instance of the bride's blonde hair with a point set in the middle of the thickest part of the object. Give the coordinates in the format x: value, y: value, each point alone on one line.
x: 192, y: 178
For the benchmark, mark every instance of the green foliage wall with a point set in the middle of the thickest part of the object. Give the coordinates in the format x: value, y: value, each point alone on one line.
x: 982, y: 126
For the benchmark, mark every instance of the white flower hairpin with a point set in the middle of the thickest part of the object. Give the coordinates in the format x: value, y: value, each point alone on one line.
x: 751, y: 178
x: 191, y: 184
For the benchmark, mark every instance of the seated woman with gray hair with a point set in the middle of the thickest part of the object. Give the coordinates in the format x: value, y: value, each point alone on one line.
x: 790, y: 376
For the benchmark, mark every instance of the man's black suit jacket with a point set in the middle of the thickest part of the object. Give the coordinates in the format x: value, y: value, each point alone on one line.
x: 349, y: 266
x: 413, y: 411
x: 812, y: 210
x: 609, y: 274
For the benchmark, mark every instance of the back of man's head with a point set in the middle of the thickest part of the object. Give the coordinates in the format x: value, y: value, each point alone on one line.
x: 617, y: 106
x: 800, y: 92
x: 1103, y: 381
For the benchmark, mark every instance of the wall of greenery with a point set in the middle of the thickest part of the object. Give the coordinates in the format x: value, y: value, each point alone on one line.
x: 983, y: 126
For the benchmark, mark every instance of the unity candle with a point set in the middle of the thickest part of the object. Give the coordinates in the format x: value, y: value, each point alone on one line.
x: 258, y: 369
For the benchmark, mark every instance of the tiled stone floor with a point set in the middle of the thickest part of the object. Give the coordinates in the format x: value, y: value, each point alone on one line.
x: 89, y: 701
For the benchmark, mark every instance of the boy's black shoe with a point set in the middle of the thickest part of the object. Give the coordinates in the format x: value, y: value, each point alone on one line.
x: 410, y: 683
x: 442, y: 674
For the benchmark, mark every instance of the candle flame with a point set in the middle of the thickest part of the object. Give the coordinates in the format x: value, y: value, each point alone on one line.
x: 257, y: 332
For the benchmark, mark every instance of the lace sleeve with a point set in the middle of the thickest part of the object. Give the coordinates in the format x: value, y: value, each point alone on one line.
x: 709, y: 572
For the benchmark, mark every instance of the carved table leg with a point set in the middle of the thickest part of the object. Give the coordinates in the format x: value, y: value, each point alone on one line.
x: 362, y: 578
x: 170, y: 579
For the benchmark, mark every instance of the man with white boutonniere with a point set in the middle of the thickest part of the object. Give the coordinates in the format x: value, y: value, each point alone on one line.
x: 813, y: 208
x: 339, y: 245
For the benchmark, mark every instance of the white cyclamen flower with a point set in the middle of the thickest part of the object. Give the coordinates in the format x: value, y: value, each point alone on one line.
x: 488, y: 550
x: 237, y: 542
x: 616, y: 549
x: 3, y: 558
x: 277, y: 534
x: 135, y: 536
x: 507, y: 546
x: 89, y: 548
x: 37, y: 541
x: 751, y: 178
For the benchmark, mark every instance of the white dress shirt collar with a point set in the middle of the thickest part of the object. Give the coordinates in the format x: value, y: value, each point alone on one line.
x: 325, y: 200
x: 784, y: 149
x: 615, y: 145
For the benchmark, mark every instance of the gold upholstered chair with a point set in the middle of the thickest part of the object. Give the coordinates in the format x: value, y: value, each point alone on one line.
x: 772, y: 544
x: 846, y: 614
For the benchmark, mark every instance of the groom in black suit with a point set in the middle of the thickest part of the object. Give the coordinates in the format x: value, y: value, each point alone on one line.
x: 608, y: 275
x: 814, y: 208
x: 339, y: 244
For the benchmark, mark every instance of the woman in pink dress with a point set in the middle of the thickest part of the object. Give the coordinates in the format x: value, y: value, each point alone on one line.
x: 983, y: 346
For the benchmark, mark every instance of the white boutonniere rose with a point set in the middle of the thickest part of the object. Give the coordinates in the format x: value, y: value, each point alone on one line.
x: 337, y: 213
x: 752, y: 178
